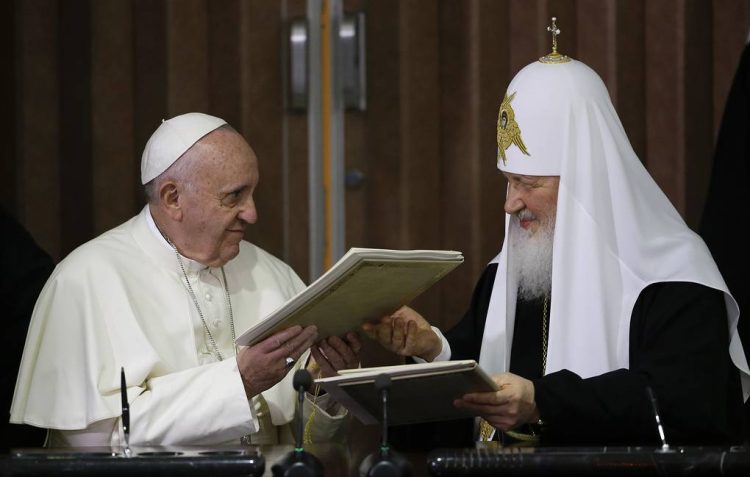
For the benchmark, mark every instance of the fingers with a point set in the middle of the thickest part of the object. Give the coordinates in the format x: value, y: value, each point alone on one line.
x: 484, y: 409
x: 354, y: 342
x: 497, y: 398
x: 338, y: 352
x: 369, y: 329
x: 291, y: 342
x: 276, y: 340
x: 384, y: 332
x: 334, y: 353
x: 326, y: 369
x: 380, y: 330
x: 398, y: 333
x: 300, y: 343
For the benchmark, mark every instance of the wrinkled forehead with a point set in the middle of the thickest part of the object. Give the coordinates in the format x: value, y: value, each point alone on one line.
x: 222, y: 157
x: 510, y: 176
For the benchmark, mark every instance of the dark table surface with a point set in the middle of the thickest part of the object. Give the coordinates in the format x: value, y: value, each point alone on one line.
x: 338, y: 461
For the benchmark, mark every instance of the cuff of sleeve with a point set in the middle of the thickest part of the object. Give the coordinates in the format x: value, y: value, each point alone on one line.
x: 236, y: 390
x: 545, y: 395
x: 445, y: 352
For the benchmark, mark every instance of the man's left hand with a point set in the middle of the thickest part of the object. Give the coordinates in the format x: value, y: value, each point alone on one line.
x: 506, y: 409
x: 334, y: 353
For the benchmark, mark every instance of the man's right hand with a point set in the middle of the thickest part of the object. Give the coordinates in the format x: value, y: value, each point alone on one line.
x: 405, y: 333
x: 264, y: 364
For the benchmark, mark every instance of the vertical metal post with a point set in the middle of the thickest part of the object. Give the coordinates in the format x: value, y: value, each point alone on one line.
x: 325, y: 115
x: 337, y: 231
x: 315, y: 140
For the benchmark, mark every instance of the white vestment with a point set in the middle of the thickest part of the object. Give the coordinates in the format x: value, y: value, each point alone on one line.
x: 121, y: 300
x: 615, y: 232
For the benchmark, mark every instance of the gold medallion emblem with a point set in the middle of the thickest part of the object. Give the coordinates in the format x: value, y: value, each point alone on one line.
x: 508, y: 131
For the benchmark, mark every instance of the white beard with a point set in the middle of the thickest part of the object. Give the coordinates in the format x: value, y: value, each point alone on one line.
x: 530, y: 257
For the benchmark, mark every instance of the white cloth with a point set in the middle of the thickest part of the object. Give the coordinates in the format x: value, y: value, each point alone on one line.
x: 172, y: 139
x: 615, y: 234
x: 121, y: 300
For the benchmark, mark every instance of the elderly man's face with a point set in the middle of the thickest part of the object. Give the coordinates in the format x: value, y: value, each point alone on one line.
x: 218, y: 203
x: 532, y: 198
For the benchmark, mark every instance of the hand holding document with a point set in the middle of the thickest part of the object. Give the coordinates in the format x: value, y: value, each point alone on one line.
x: 364, y: 285
x: 419, y: 392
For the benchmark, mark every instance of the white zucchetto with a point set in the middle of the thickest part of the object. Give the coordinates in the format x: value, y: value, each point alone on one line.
x: 172, y: 139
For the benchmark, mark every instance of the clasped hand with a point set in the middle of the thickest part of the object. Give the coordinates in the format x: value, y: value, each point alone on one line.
x: 405, y: 333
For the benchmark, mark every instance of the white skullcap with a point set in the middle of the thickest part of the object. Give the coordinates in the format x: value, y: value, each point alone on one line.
x: 171, y: 139
x: 540, y: 106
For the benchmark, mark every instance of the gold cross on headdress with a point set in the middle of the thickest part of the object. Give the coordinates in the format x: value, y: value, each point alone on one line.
x: 554, y: 57
x: 555, y: 31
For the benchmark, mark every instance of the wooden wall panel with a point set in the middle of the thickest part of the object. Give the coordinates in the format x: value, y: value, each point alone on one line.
x: 8, y: 165
x: 115, y: 172
x: 629, y: 55
x: 385, y: 136
x: 295, y: 150
x: 262, y: 111
x: 74, y: 51
x: 187, y: 56
x: 493, y: 69
x: 38, y: 204
x: 224, y: 70
x: 665, y: 108
x: 524, y: 48
x: 595, y: 35
x: 90, y: 81
x: 459, y: 145
x: 698, y: 109
x: 421, y: 212
x: 731, y: 25
x: 149, y: 72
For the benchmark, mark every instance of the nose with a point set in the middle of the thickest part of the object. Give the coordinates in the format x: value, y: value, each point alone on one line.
x: 513, y: 201
x: 248, y: 212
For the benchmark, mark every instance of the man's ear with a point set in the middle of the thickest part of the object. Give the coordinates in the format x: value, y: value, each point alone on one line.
x: 169, y: 196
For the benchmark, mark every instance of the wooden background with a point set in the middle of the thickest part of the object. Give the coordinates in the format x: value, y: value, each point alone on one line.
x: 85, y: 82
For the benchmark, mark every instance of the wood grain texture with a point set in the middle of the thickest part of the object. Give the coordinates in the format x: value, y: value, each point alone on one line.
x: 89, y: 81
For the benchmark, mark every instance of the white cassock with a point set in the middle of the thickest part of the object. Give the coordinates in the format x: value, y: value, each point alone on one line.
x: 120, y: 300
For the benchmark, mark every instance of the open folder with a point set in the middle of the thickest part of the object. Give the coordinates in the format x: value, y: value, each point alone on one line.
x: 364, y: 285
x: 419, y: 392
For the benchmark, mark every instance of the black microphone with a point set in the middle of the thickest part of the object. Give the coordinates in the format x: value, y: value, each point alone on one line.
x: 384, y: 462
x: 299, y: 463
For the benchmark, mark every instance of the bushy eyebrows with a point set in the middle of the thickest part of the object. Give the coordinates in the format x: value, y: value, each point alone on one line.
x: 521, y: 178
x: 234, y: 188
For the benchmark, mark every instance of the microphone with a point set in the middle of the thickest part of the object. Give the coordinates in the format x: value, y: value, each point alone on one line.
x: 299, y: 463
x: 125, y: 412
x: 384, y: 462
x: 652, y: 398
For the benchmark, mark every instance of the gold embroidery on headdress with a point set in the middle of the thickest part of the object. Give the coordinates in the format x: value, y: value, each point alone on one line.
x: 508, y: 131
x: 554, y: 57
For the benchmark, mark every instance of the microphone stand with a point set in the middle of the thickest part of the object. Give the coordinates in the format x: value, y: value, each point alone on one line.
x: 384, y: 462
x: 660, y: 429
x: 299, y: 463
x: 125, y: 412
